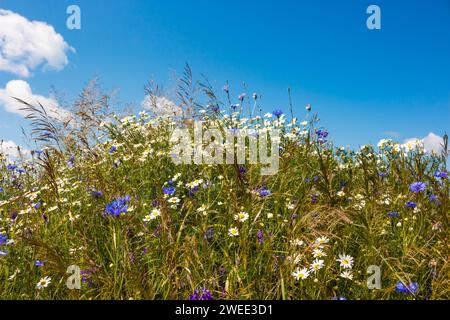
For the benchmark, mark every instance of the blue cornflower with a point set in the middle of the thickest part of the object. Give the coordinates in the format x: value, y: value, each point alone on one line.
x: 441, y: 174
x: 322, y: 133
x: 410, y: 289
x: 169, y: 190
x: 433, y: 197
x: 277, y: 113
x: 117, y: 206
x: 263, y: 192
x: 411, y: 204
x: 2, y: 190
x: 417, y: 187
x: 226, y: 88
x: 20, y: 170
x: 3, y: 239
x: 3, y: 253
x: 235, y: 106
x: 382, y: 174
x: 242, y: 96
x: 36, y: 205
x: 393, y: 214
x: 11, y: 167
x: 112, y: 149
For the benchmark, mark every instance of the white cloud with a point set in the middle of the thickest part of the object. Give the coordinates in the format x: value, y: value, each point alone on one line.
x: 432, y: 142
x: 22, y: 90
x: 161, y: 106
x: 25, y: 45
x: 10, y: 149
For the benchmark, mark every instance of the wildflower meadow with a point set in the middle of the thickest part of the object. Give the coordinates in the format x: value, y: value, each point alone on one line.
x: 101, y: 209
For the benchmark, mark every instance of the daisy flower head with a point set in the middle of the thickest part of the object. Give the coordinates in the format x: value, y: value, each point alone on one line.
x: 43, y: 283
x: 346, y: 261
x: 346, y: 274
x: 241, y: 216
x: 318, y: 253
x: 174, y: 200
x: 301, y: 274
x: 316, y: 265
x: 155, y: 213
x: 233, y: 232
x: 322, y: 240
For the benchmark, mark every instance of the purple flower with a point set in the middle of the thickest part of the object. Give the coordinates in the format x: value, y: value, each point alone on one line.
x: 71, y: 162
x: 441, y: 174
x: 277, y: 113
x: 322, y: 133
x: 209, y: 234
x: 235, y: 106
x: 118, y: 206
x: 96, y: 194
x: 263, y: 192
x: 339, y: 298
x: 393, y: 214
x: 44, y: 216
x: 112, y: 149
x: 308, y: 107
x: 382, y: 174
x: 169, y: 190
x: 417, y: 187
x: 410, y: 289
x: 36, y: 205
x: 11, y: 167
x: 242, y: 96
x: 260, y: 236
x: 39, y: 263
x: 411, y: 204
x: 3, y: 239
x: 202, y: 294
x: 1, y: 190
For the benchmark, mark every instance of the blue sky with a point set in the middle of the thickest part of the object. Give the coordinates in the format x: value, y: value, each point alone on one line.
x: 365, y: 84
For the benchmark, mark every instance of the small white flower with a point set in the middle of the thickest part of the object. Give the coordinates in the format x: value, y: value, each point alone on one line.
x: 241, y: 216
x: 43, y: 283
x: 346, y: 261
x: 322, y: 240
x: 318, y: 253
x: 233, y: 232
x: 347, y: 275
x: 301, y: 274
x: 155, y: 213
x: 174, y: 200
x: 316, y: 265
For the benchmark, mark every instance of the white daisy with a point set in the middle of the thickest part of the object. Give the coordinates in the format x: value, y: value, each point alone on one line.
x: 347, y: 274
x: 346, y: 261
x: 301, y: 274
x: 317, y: 265
x: 322, y: 240
x: 43, y: 283
x: 241, y: 216
x: 233, y: 232
x: 318, y: 253
x: 173, y: 200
